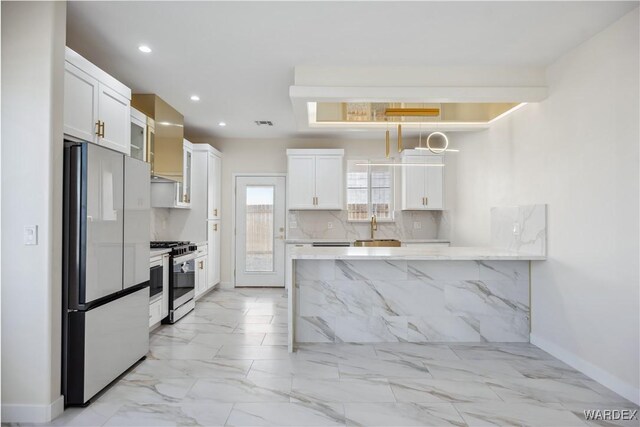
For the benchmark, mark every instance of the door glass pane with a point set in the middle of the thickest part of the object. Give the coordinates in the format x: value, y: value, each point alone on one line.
x: 137, y: 141
x: 151, y: 134
x: 187, y: 176
x: 259, y: 228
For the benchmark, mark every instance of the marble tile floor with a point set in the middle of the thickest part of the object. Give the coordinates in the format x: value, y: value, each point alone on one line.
x: 227, y: 363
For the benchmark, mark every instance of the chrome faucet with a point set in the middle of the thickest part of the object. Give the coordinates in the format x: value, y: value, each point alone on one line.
x: 374, y: 226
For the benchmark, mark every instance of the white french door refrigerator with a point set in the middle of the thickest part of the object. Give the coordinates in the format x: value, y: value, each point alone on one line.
x: 105, y: 268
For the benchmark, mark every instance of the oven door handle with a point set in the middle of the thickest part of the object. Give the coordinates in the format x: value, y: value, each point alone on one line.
x: 184, y: 258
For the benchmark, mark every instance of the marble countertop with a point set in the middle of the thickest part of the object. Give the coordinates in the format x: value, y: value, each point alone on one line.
x: 411, y: 253
x: 157, y: 252
x: 309, y: 241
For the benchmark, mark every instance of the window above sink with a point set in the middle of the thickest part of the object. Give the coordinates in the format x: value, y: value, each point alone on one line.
x: 369, y: 192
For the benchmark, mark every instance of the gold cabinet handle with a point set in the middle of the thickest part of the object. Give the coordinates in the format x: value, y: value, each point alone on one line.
x: 201, y: 265
x: 102, y: 130
x: 98, y: 128
x: 215, y: 212
x: 426, y: 201
x: 215, y: 227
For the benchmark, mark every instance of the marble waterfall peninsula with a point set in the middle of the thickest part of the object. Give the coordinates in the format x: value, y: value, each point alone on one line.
x: 428, y: 294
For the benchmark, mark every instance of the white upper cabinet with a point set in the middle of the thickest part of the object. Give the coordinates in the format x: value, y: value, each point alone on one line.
x: 329, y: 182
x: 96, y: 106
x: 80, y: 104
x: 315, y: 179
x: 302, y: 182
x: 214, y: 177
x: 422, y: 186
x: 115, y: 115
x: 187, y: 168
x: 139, y: 135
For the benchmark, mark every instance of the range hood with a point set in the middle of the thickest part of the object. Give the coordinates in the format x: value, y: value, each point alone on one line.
x: 168, y: 138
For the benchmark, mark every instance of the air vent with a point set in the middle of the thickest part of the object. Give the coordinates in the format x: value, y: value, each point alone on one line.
x: 263, y: 123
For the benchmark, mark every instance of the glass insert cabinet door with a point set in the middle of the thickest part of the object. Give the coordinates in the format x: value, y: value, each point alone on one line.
x: 138, y: 139
x: 260, y: 231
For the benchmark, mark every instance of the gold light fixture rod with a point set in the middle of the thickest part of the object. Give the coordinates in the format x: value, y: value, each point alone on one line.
x: 413, y: 112
x: 399, y: 138
x: 388, y: 145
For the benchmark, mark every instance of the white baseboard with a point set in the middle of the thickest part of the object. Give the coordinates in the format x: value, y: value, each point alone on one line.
x: 226, y: 285
x: 624, y: 389
x: 23, y: 413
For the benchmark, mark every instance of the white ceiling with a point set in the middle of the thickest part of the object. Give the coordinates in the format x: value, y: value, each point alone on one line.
x: 239, y: 56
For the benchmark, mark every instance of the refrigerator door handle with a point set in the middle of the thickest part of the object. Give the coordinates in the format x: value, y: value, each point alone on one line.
x: 73, y: 227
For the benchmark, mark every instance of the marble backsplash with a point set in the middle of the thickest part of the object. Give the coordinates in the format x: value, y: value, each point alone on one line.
x: 520, y: 228
x: 159, y: 225
x: 334, y: 225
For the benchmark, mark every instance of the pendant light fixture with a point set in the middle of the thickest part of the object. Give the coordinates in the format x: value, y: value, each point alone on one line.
x: 441, y: 136
x: 387, y: 142
x: 435, y: 150
x: 399, y: 138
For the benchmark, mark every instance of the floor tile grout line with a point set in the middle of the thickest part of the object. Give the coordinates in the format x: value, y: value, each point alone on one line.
x: 226, y: 421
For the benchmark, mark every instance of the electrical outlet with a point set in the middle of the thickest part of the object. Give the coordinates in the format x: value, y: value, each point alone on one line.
x: 516, y: 229
x: 417, y: 225
x: 329, y: 225
x: 293, y: 225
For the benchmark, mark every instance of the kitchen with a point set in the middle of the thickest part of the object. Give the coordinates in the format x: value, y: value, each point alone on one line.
x: 287, y: 213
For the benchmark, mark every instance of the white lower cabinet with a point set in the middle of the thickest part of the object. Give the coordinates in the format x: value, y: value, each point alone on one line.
x: 155, y: 312
x: 201, y: 276
x: 166, y: 270
x: 213, y: 235
x: 159, y: 307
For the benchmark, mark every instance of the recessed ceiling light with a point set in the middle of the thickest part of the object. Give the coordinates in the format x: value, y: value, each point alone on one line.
x: 144, y: 48
x: 195, y: 98
x: 222, y: 124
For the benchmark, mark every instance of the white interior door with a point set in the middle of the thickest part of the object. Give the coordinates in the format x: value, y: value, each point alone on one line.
x: 260, y: 222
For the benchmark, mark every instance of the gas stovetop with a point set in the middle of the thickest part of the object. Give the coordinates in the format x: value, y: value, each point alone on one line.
x: 177, y: 247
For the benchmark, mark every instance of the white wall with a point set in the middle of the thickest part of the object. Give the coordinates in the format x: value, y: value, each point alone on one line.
x: 33, y: 40
x: 578, y: 152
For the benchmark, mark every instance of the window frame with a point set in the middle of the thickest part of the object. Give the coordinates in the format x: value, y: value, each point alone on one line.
x: 392, y: 188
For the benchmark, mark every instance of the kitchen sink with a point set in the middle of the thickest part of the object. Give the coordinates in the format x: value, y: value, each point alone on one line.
x: 381, y: 243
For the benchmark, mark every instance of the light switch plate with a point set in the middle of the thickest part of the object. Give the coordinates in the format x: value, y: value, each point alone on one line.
x: 30, y: 235
x: 417, y: 225
x: 516, y: 229
x: 329, y: 225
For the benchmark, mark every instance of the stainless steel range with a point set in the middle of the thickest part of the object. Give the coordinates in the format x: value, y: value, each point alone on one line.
x: 182, y: 278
